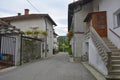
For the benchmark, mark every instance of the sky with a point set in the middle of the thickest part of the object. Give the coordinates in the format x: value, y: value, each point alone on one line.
x: 57, y: 9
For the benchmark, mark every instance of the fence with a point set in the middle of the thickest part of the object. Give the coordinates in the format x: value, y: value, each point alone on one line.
x: 31, y: 49
x: 7, y: 49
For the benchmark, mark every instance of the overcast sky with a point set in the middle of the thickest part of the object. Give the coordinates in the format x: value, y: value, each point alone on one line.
x: 57, y: 9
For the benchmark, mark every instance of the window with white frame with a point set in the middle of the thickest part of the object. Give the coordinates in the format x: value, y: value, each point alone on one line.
x: 117, y: 19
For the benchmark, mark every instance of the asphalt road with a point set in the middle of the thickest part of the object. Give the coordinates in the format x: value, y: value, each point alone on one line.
x: 55, y: 68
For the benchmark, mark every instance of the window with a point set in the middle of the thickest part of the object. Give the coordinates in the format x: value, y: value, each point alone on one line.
x: 117, y: 19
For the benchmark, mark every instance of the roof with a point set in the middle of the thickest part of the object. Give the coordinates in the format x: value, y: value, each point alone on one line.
x: 29, y: 16
x: 55, y: 33
x: 6, y: 28
x: 88, y: 17
x: 72, y: 7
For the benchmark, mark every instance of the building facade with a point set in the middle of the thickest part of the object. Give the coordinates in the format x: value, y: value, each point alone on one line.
x: 96, y: 36
x: 42, y: 22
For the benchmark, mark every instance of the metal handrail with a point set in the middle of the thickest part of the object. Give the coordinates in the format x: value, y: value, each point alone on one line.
x: 114, y: 33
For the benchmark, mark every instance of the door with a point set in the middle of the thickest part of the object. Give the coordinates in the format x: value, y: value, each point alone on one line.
x: 100, y: 23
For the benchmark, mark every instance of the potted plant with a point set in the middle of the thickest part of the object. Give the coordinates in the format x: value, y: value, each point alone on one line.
x: 70, y: 54
x: 35, y: 33
x: 29, y: 33
x: 44, y: 33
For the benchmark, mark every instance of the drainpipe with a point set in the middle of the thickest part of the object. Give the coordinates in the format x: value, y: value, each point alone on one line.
x: 74, y: 50
x: 21, y: 49
x: 46, y: 46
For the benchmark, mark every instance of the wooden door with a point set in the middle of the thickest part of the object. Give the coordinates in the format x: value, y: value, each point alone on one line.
x: 100, y: 23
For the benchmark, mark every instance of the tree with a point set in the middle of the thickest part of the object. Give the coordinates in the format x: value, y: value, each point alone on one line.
x: 63, y: 43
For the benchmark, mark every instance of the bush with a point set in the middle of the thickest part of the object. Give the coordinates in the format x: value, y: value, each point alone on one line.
x: 69, y: 51
x: 60, y: 48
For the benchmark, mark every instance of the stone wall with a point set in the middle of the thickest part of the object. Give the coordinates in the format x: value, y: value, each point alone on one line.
x: 31, y: 50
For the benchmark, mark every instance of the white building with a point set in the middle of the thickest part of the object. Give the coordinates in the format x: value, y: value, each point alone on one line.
x: 76, y: 15
x: 96, y: 25
x: 55, y: 43
x: 42, y: 22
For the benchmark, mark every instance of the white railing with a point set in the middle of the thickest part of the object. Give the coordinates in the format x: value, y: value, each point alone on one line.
x: 95, y: 36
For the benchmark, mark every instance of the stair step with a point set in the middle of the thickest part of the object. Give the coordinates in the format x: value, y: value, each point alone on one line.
x: 104, y: 38
x: 116, y: 67
x: 115, y: 50
x: 109, y: 44
x: 115, y: 61
x: 115, y: 57
x: 115, y: 53
x: 115, y: 72
x: 112, y: 47
x: 113, y: 77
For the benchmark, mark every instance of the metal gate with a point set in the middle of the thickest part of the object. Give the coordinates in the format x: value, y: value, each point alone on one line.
x: 7, y: 50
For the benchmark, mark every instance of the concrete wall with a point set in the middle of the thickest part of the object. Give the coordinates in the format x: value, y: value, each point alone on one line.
x: 80, y: 27
x: 95, y: 59
x: 50, y: 38
x: 111, y: 6
x: 25, y: 25
x: 114, y: 39
x: 55, y: 43
x: 17, y: 50
x: 77, y: 45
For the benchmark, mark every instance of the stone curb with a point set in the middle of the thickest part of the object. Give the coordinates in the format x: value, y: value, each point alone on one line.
x: 95, y: 73
x: 7, y: 69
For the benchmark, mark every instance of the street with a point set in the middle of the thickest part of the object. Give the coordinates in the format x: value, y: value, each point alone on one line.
x: 57, y: 67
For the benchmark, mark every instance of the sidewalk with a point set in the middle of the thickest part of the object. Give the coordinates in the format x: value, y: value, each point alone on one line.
x: 94, y: 72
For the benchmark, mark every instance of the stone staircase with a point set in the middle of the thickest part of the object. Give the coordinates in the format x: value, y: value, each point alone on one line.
x: 102, y: 53
x: 115, y: 60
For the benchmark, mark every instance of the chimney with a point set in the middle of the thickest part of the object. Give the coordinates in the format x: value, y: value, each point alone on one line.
x: 26, y: 12
x: 19, y: 14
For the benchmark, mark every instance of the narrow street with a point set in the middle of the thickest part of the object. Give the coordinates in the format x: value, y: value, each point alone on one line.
x: 55, y: 68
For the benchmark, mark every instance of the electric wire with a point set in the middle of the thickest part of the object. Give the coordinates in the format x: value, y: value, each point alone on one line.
x: 32, y: 5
